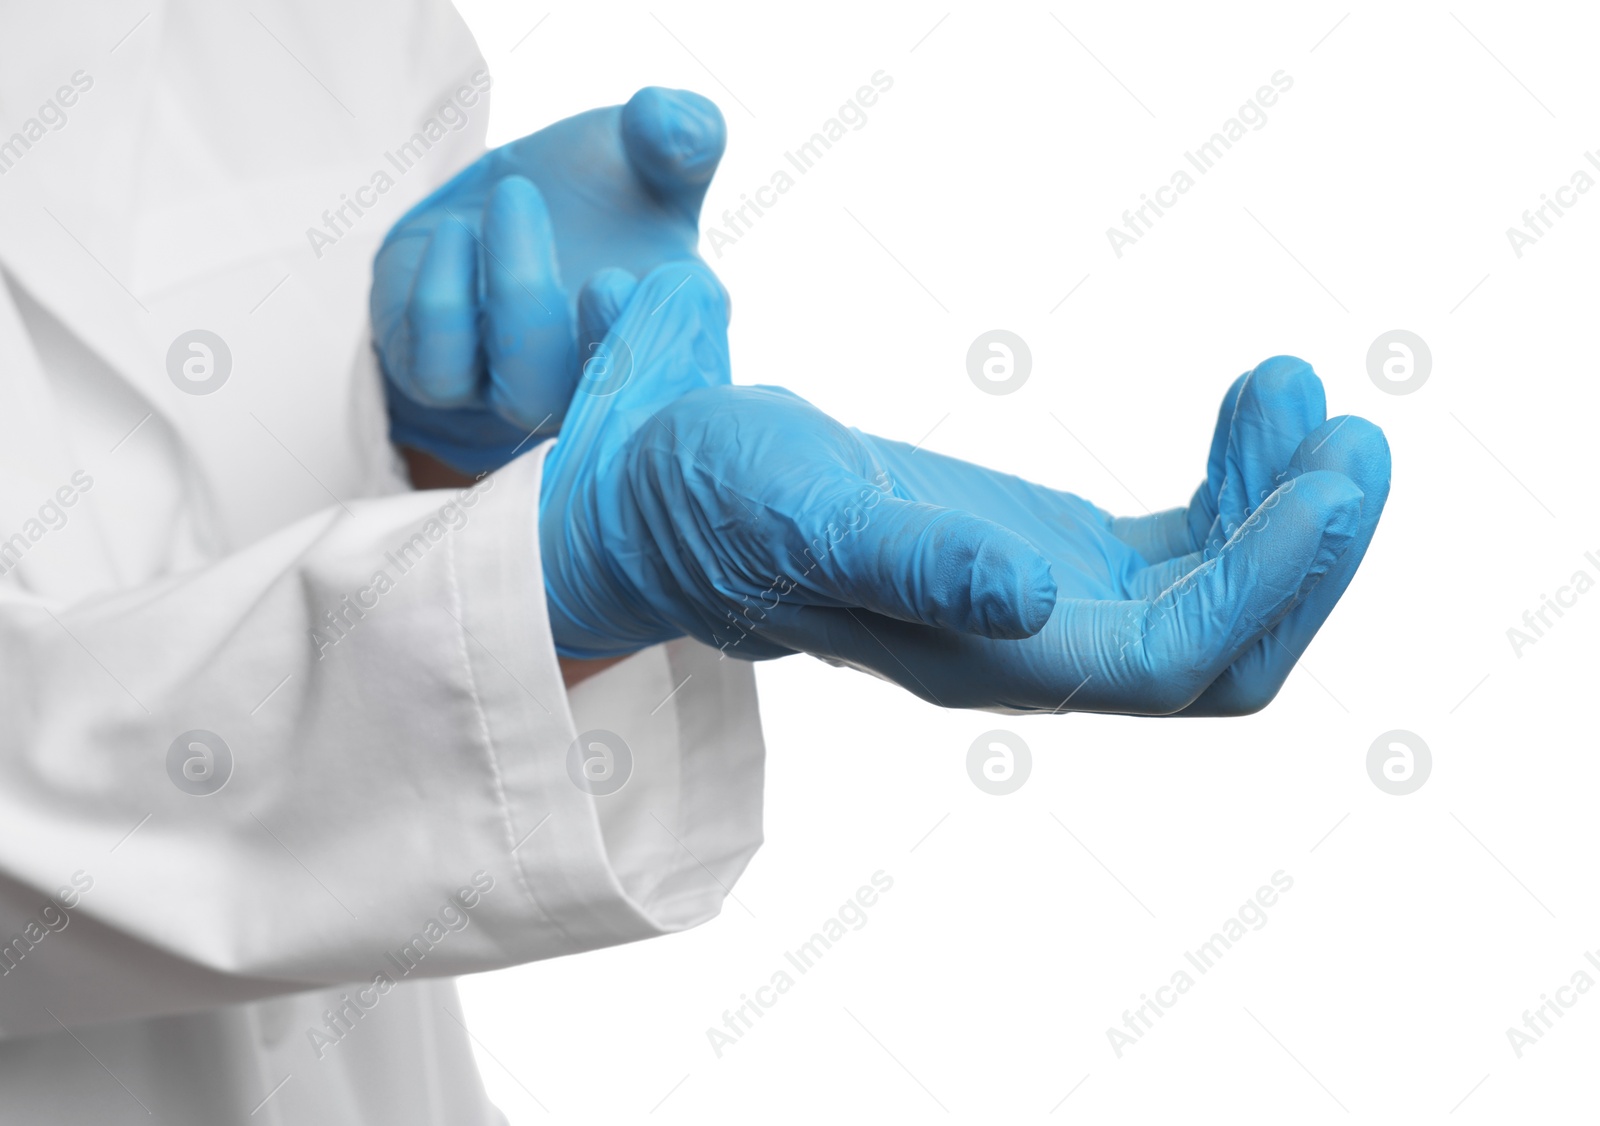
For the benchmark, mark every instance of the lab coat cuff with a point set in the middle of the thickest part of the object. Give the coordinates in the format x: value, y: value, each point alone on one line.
x: 630, y: 805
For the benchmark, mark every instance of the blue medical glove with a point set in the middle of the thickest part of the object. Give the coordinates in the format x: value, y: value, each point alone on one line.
x: 746, y: 518
x: 1276, y: 430
x: 679, y: 505
x: 1200, y: 610
x: 473, y: 313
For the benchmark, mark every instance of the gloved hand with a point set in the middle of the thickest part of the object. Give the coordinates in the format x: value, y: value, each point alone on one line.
x: 1200, y: 611
x: 749, y: 520
x: 471, y: 311
x: 673, y: 505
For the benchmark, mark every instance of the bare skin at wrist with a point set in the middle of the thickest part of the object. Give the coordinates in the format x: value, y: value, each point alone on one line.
x: 430, y: 473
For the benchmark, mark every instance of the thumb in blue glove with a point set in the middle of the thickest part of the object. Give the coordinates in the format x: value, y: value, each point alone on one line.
x: 676, y: 504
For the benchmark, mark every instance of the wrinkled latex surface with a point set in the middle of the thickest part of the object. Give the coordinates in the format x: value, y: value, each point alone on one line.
x: 746, y: 518
x: 474, y: 295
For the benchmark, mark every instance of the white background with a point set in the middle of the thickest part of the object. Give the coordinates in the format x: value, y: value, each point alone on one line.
x: 1020, y: 928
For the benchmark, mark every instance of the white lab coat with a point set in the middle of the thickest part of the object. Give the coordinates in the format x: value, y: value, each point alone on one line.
x: 178, y: 950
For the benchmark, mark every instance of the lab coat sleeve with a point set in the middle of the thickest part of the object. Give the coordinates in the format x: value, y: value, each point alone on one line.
x: 401, y: 798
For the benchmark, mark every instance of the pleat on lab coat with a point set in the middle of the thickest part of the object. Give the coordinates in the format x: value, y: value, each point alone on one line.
x: 414, y: 752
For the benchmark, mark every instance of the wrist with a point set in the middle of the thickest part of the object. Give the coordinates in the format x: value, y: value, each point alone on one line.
x: 428, y: 472
x: 597, y: 566
x: 466, y: 440
x: 574, y: 672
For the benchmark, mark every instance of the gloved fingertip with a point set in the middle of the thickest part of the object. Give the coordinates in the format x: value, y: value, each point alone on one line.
x: 1334, y: 501
x: 1013, y: 589
x: 973, y: 575
x: 1348, y: 444
x: 1288, y: 384
x: 685, y: 278
x: 674, y: 139
x: 1035, y: 598
x: 1282, y: 365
